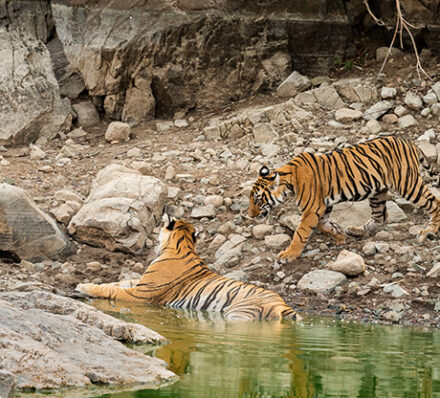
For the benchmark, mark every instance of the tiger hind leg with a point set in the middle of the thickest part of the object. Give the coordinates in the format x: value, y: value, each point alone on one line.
x: 328, y: 227
x: 378, y: 216
x: 425, y: 200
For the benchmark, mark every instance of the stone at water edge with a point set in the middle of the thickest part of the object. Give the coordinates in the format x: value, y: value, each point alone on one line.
x: 28, y: 232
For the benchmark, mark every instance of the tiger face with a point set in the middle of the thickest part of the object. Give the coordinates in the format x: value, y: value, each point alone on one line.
x: 265, y: 193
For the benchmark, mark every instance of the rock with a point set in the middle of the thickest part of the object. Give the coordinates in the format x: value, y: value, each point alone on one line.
x: 321, y: 281
x: 7, y: 384
x: 343, y: 214
x: 117, y: 131
x: 135, y: 153
x: 237, y: 275
x: 140, y: 104
x: 261, y: 230
x: 26, y: 231
x: 356, y: 90
x: 121, y: 211
x: 118, y: 61
x: 348, y: 263
x: 436, y: 89
x: 407, y: 121
x: 203, y: 211
x: 277, y: 241
x: 382, y: 52
x: 430, y: 98
x: 37, y: 153
x: 68, y: 195
x: 270, y: 150
x: 143, y: 167
x: 401, y: 111
x: 63, y: 213
x: 181, y: 123
x: 69, y: 344
x: 327, y: 97
x: 369, y: 248
x: 77, y: 133
x: 388, y: 92
x: 86, y: 114
x: 413, y: 101
x: 395, y: 213
x: 229, y: 250
x: 392, y: 316
x: 264, y: 133
x: 395, y: 290
x: 377, y: 110
x: 31, y: 106
x: 373, y: 126
x: 213, y: 200
x: 434, y: 272
x: 293, y: 85
x: 347, y: 115
x: 390, y: 118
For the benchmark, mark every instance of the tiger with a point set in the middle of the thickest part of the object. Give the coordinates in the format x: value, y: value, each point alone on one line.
x: 178, y: 278
x: 354, y: 173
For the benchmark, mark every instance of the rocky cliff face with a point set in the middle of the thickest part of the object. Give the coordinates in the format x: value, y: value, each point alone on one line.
x: 142, y: 59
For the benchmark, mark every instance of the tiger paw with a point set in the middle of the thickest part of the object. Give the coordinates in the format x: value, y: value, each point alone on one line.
x: 356, y: 232
x: 287, y: 255
x: 83, y: 288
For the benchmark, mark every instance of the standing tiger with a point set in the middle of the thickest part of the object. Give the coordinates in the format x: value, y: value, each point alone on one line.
x: 178, y: 278
x: 319, y: 181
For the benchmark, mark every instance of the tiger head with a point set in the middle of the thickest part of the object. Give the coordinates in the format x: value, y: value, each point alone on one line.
x: 178, y: 235
x: 265, y: 194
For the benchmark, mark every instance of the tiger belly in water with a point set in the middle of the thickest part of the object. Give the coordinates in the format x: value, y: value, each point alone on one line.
x: 178, y: 278
x: 319, y: 181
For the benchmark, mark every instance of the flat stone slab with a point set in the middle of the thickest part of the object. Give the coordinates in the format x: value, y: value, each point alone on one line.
x: 321, y: 281
x: 66, y: 343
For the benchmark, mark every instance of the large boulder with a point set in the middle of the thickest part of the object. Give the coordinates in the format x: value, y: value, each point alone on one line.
x: 121, y: 211
x: 30, y: 102
x: 157, y: 57
x: 25, y: 231
x: 7, y: 384
x: 70, y: 344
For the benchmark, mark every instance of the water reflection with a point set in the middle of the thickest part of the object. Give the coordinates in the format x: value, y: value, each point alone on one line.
x: 315, y: 358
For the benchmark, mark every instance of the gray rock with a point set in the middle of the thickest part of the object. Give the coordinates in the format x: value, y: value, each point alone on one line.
x: 117, y: 131
x: 37, y: 153
x: 382, y: 52
x: 30, y: 105
x: 348, y: 263
x: 407, y: 121
x: 388, y: 92
x: 7, y: 384
x: 293, y: 85
x: 395, y: 290
x: 373, y: 127
x: 261, y: 230
x: 181, y: 123
x: 377, y: 110
x: 63, y: 213
x: 237, y: 275
x: 392, y: 316
x: 70, y: 344
x: 434, y: 272
x: 356, y: 90
x: 264, y: 133
x: 413, y: 101
x: 347, y: 115
x: 321, y: 281
x: 86, y: 114
x: 226, y: 249
x: 428, y: 149
x: 343, y: 214
x: 270, y: 150
x: 430, y: 98
x: 436, y: 89
x: 121, y: 211
x: 26, y: 231
x: 277, y: 241
x: 395, y: 213
x: 400, y: 110
x: 203, y: 211
x: 328, y: 97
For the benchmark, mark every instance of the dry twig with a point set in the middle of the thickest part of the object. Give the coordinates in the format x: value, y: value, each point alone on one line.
x: 401, y: 24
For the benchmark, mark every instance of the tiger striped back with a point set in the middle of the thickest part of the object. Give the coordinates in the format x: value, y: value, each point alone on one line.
x: 178, y: 278
x: 319, y: 181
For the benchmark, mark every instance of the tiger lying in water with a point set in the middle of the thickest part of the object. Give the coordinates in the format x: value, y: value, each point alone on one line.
x: 319, y: 181
x: 178, y: 278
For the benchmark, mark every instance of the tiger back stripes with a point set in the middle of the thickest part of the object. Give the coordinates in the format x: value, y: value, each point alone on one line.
x: 178, y: 278
x: 319, y: 181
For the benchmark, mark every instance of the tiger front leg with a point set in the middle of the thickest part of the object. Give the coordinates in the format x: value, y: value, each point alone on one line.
x: 301, y: 236
x: 113, y: 291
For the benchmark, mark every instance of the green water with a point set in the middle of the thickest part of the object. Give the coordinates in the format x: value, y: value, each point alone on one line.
x: 313, y: 358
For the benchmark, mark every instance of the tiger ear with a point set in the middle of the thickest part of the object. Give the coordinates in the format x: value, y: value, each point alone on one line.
x: 170, y: 222
x: 264, y: 171
x: 276, y: 181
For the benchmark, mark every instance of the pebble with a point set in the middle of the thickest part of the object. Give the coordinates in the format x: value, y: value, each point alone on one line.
x: 259, y: 231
